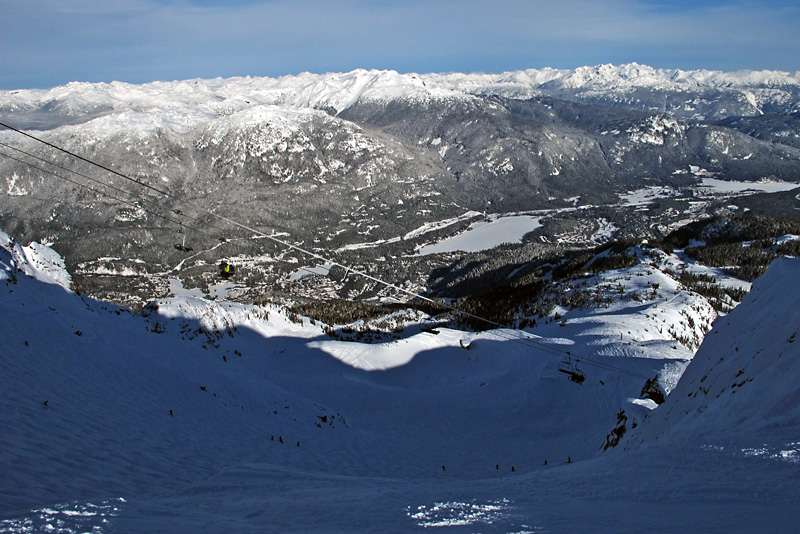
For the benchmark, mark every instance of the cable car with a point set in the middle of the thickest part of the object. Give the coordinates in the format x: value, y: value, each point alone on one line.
x: 182, y: 245
x: 226, y: 270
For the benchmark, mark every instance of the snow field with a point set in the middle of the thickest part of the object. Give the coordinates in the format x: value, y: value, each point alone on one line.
x: 215, y: 416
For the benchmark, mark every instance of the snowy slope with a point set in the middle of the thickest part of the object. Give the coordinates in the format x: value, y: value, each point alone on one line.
x: 743, y: 381
x: 204, y: 416
x: 101, y: 405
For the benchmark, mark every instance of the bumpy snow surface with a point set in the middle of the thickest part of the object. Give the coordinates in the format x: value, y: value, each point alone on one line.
x: 201, y: 416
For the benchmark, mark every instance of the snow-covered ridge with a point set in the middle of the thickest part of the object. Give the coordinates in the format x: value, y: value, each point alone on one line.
x: 745, y: 373
x: 337, y: 91
x: 636, y: 75
x: 35, y: 260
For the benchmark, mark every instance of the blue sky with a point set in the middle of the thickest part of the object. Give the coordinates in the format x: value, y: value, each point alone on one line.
x: 44, y: 43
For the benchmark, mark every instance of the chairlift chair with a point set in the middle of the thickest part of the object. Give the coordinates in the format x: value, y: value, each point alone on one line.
x: 571, y: 370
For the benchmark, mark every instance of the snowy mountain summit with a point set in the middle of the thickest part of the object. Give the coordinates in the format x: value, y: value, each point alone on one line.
x: 338, y: 91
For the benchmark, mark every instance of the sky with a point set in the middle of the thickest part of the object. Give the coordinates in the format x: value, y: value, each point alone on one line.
x: 45, y: 43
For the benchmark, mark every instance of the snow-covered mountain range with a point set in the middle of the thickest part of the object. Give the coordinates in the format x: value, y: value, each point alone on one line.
x: 458, y: 300
x: 377, y: 162
x: 337, y: 91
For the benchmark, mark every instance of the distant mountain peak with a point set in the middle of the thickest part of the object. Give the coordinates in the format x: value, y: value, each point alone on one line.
x: 338, y: 91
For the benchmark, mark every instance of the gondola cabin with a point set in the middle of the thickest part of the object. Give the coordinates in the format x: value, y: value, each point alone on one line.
x: 226, y: 270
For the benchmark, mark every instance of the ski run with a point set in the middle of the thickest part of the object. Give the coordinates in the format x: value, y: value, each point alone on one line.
x: 202, y: 415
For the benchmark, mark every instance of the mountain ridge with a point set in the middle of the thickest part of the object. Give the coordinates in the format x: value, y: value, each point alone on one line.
x: 343, y: 161
x: 338, y: 91
x: 744, y: 372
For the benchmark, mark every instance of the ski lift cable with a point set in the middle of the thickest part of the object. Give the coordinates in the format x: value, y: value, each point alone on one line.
x: 72, y: 171
x: 43, y: 160
x: 90, y: 188
x: 138, y: 182
x: 526, y: 337
x: 142, y: 200
x: 111, y: 186
x: 64, y: 150
x: 253, y: 230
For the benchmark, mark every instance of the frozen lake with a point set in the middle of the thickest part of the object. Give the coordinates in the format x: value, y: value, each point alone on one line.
x: 648, y: 195
x: 485, y: 235
x: 724, y: 186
